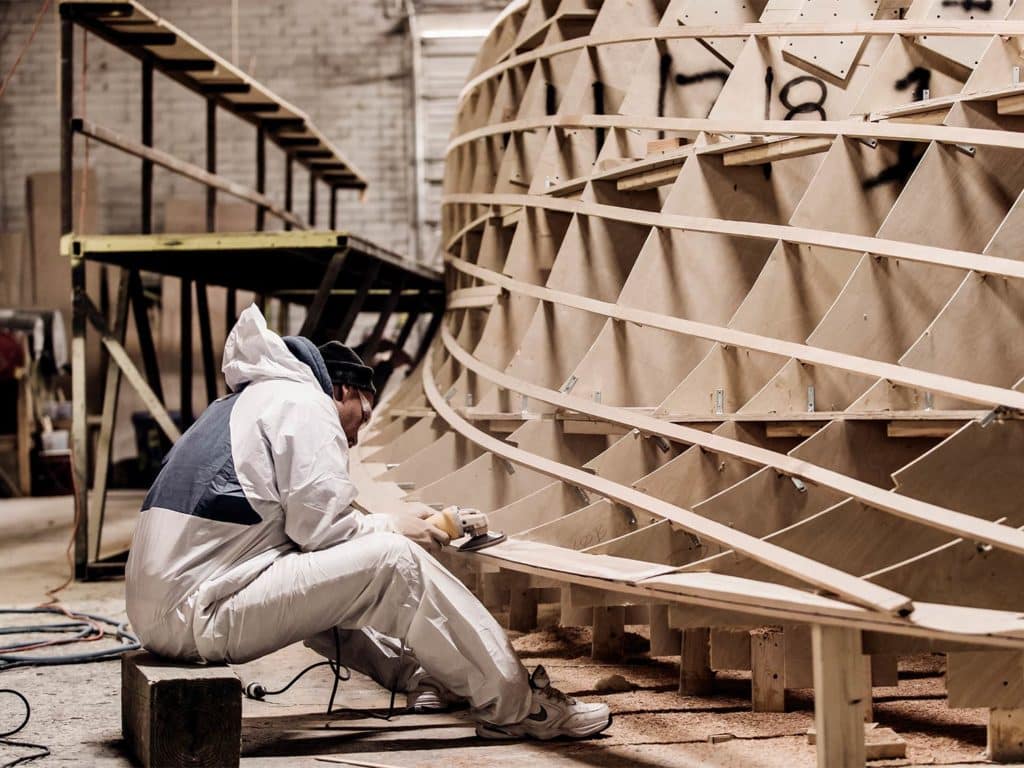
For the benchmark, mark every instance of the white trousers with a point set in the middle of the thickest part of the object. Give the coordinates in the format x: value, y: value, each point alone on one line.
x: 384, y: 582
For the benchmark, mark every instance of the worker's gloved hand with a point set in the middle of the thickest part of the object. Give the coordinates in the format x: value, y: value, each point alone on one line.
x: 415, y: 528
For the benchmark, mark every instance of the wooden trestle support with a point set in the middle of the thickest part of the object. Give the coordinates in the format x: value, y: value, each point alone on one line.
x: 735, y: 341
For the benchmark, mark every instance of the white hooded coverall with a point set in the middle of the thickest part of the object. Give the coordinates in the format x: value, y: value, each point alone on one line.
x: 247, y: 542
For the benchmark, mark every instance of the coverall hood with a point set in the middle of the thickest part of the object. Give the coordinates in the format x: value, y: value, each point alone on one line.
x: 254, y: 353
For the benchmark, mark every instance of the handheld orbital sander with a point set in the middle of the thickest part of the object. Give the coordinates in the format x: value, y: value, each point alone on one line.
x: 460, y: 522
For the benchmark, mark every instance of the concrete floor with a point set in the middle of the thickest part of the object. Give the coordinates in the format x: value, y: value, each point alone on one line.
x: 76, y: 709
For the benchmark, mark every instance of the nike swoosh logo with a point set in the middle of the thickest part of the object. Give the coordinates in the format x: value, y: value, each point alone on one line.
x: 541, y: 716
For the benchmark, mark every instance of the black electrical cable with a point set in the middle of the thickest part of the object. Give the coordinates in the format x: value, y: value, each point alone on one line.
x: 82, y: 627
x: 7, y: 742
x: 257, y: 692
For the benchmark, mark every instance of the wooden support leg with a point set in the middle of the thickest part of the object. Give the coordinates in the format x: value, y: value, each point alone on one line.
x: 206, y: 342
x: 609, y: 633
x: 885, y: 670
x: 573, y: 616
x: 838, y: 706
x: 494, y: 592
x: 664, y: 639
x: 995, y: 680
x: 145, y: 334
x: 767, y: 669
x: 1006, y: 735
x: 867, y: 692
x: 79, y: 418
x: 104, y: 443
x: 522, y: 605
x: 522, y: 610
x: 696, y: 677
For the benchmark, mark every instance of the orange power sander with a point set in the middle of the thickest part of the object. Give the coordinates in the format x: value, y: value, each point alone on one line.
x: 468, y: 524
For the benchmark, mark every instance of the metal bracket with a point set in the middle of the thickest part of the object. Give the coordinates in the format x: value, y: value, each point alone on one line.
x: 569, y: 384
x: 810, y: 398
x: 719, y: 402
x: 584, y: 497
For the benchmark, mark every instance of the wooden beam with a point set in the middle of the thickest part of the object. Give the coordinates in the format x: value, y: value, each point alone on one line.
x: 781, y: 149
x: 696, y: 678
x: 838, y: 27
x: 884, y: 131
x: 898, y: 249
x: 121, y: 358
x: 105, y: 439
x: 768, y: 669
x: 838, y: 686
x: 355, y: 306
x: 608, y: 633
x: 182, y: 168
x: 1005, y: 742
x: 311, y: 326
x: 1011, y: 105
x: 373, y: 342
x: 641, y: 182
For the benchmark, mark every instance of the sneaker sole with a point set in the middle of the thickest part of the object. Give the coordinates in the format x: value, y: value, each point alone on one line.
x: 497, y: 733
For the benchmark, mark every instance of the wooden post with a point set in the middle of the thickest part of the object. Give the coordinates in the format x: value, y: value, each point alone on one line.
x: 665, y: 639
x: 312, y: 199
x: 522, y: 609
x: 1005, y: 735
x: 104, y: 443
x: 608, y: 633
x: 494, y: 593
x: 288, y: 189
x: 838, y: 688
x: 867, y: 691
x: 696, y: 678
x: 573, y: 616
x: 768, y: 669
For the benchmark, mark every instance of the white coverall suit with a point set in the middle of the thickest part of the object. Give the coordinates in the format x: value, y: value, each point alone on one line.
x: 247, y: 542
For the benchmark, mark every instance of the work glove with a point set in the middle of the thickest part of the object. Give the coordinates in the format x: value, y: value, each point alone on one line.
x: 416, y: 528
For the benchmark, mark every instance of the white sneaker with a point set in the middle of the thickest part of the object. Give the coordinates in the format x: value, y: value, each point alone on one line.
x: 553, y: 714
x: 430, y: 696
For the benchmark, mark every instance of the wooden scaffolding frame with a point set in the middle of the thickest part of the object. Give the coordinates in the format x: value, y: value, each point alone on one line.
x: 335, y: 274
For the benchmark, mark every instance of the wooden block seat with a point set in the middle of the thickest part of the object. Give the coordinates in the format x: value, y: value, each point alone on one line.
x: 178, y: 714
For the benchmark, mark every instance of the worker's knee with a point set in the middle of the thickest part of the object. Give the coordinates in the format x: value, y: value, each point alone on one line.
x: 391, y: 550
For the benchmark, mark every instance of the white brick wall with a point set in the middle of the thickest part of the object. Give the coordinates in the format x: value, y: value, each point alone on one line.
x: 341, y: 61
